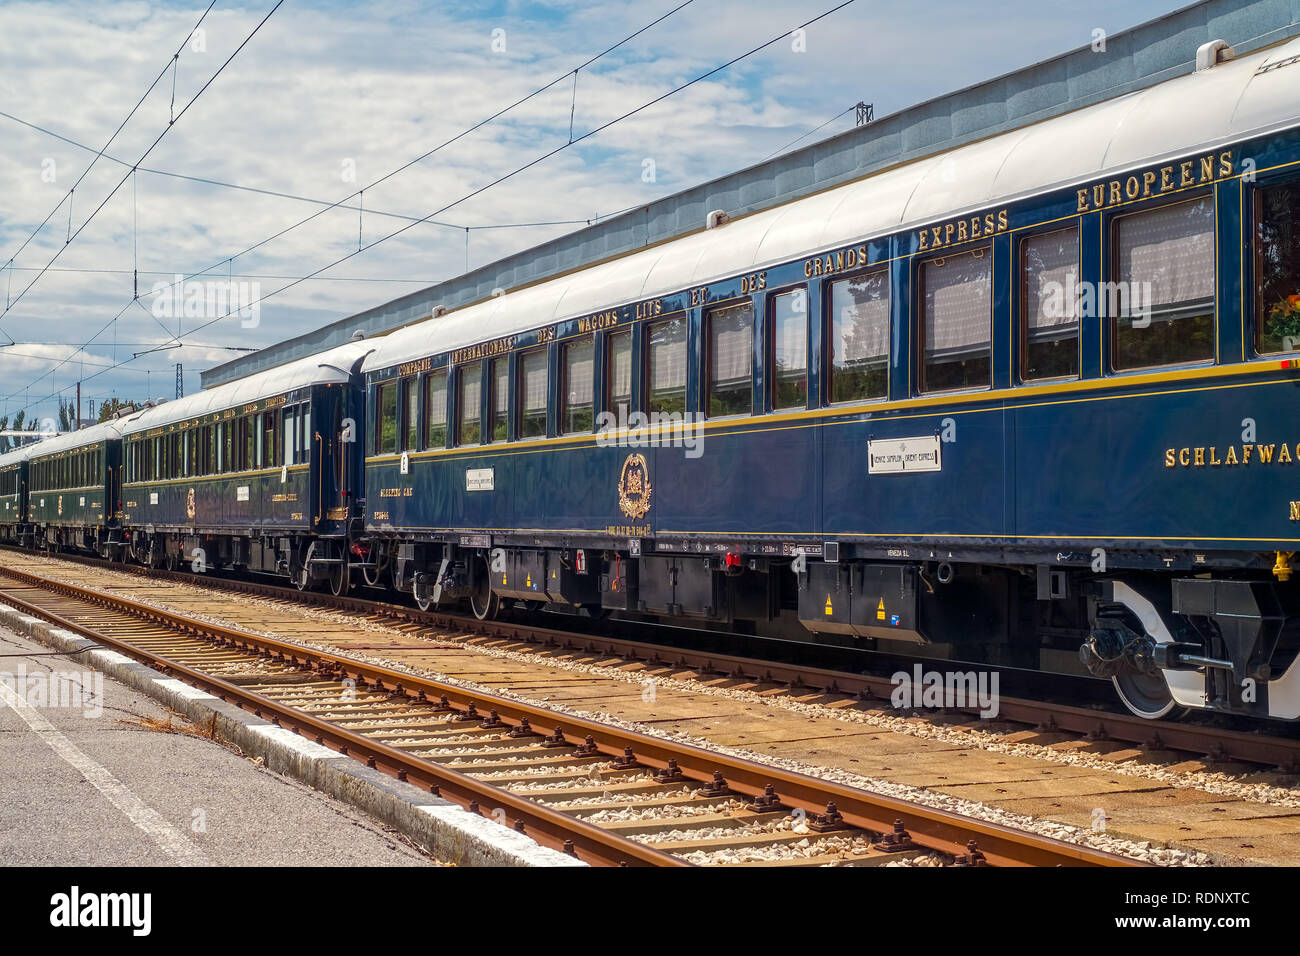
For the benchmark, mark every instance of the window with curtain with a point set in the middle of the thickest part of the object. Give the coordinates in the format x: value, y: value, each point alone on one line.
x: 1165, y: 261
x: 533, y: 387
x: 386, y: 433
x: 410, y: 415
x: 730, y: 360
x: 1277, y: 268
x: 618, y: 375
x: 859, y: 338
x: 957, y: 313
x: 578, y: 390
x: 1049, y: 307
x: 435, y: 410
x: 666, y: 366
x: 500, y: 397
x: 789, y: 348
x: 470, y: 399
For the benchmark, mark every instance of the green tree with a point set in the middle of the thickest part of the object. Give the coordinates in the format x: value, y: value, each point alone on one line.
x: 111, y: 407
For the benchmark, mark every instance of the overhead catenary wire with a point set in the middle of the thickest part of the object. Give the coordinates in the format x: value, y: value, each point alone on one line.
x: 506, y: 176
x: 109, y: 141
x: 152, y: 146
x: 544, y: 156
x: 146, y: 153
x: 279, y: 194
x: 409, y: 164
x: 534, y: 162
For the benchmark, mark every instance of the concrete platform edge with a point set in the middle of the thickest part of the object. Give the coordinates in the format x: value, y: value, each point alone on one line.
x: 445, y: 829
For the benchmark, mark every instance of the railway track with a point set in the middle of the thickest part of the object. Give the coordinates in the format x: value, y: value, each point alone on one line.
x: 1194, y: 737
x: 606, y: 794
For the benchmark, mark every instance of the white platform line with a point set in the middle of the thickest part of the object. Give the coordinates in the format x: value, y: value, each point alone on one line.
x: 169, y: 839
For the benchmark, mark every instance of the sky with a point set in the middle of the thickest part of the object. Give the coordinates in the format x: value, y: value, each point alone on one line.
x: 328, y: 98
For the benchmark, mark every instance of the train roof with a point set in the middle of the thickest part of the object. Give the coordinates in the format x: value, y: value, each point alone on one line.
x: 104, y: 431
x: 15, y: 457
x: 332, y: 367
x: 1237, y: 98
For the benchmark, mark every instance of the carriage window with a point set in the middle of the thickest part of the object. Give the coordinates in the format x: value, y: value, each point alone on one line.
x: 859, y: 331
x: 268, y: 441
x: 618, y: 374
x: 290, y: 425
x: 533, y: 389
x: 1162, y: 306
x: 1277, y: 268
x: 386, y: 426
x: 957, y: 308
x: 789, y: 338
x: 666, y: 361
x: 435, y: 410
x: 470, y: 399
x: 577, y: 390
x: 500, y: 397
x: 307, y: 435
x: 250, y: 443
x: 410, y: 413
x: 1049, y: 305
x: 731, y: 358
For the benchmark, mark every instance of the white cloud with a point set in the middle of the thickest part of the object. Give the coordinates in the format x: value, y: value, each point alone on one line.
x: 378, y: 83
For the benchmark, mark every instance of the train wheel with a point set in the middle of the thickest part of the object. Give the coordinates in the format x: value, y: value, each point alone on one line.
x: 484, y: 602
x: 172, y: 556
x: 302, y: 578
x: 373, y: 574
x: 1146, y: 695
x: 341, y: 576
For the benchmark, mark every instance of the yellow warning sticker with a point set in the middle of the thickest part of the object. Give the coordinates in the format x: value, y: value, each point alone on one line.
x: 829, y: 612
x: 880, y: 611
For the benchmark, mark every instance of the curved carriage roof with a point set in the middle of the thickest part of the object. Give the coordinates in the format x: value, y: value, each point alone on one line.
x: 104, y: 431
x: 1198, y: 111
x: 333, y: 367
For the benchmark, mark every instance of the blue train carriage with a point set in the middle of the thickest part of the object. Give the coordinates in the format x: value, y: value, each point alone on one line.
x: 257, y: 474
x: 72, y: 491
x: 14, y: 527
x: 1030, y: 402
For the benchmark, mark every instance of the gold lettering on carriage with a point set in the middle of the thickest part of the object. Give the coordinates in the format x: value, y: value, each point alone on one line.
x: 483, y: 350
x: 1155, y: 181
x: 415, y: 368
x: 1216, y: 456
x: 956, y: 231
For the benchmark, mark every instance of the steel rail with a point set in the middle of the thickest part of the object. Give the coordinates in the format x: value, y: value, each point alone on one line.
x: 1215, y: 742
x: 931, y: 828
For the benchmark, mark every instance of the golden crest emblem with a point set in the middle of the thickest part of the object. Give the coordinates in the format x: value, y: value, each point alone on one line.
x: 60, y: 506
x: 189, y: 505
x: 634, y: 487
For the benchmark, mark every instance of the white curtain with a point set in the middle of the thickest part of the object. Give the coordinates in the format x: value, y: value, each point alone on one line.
x: 1051, y: 264
x: 579, y: 383
x: 731, y: 346
x: 668, y: 356
x: 533, y: 370
x: 1172, y: 248
x: 957, y: 302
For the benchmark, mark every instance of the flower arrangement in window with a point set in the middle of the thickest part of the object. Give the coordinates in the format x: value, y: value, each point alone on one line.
x: 1284, y: 322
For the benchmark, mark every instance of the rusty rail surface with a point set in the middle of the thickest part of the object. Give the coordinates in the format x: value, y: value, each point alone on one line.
x: 933, y: 829
x: 1220, y: 743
